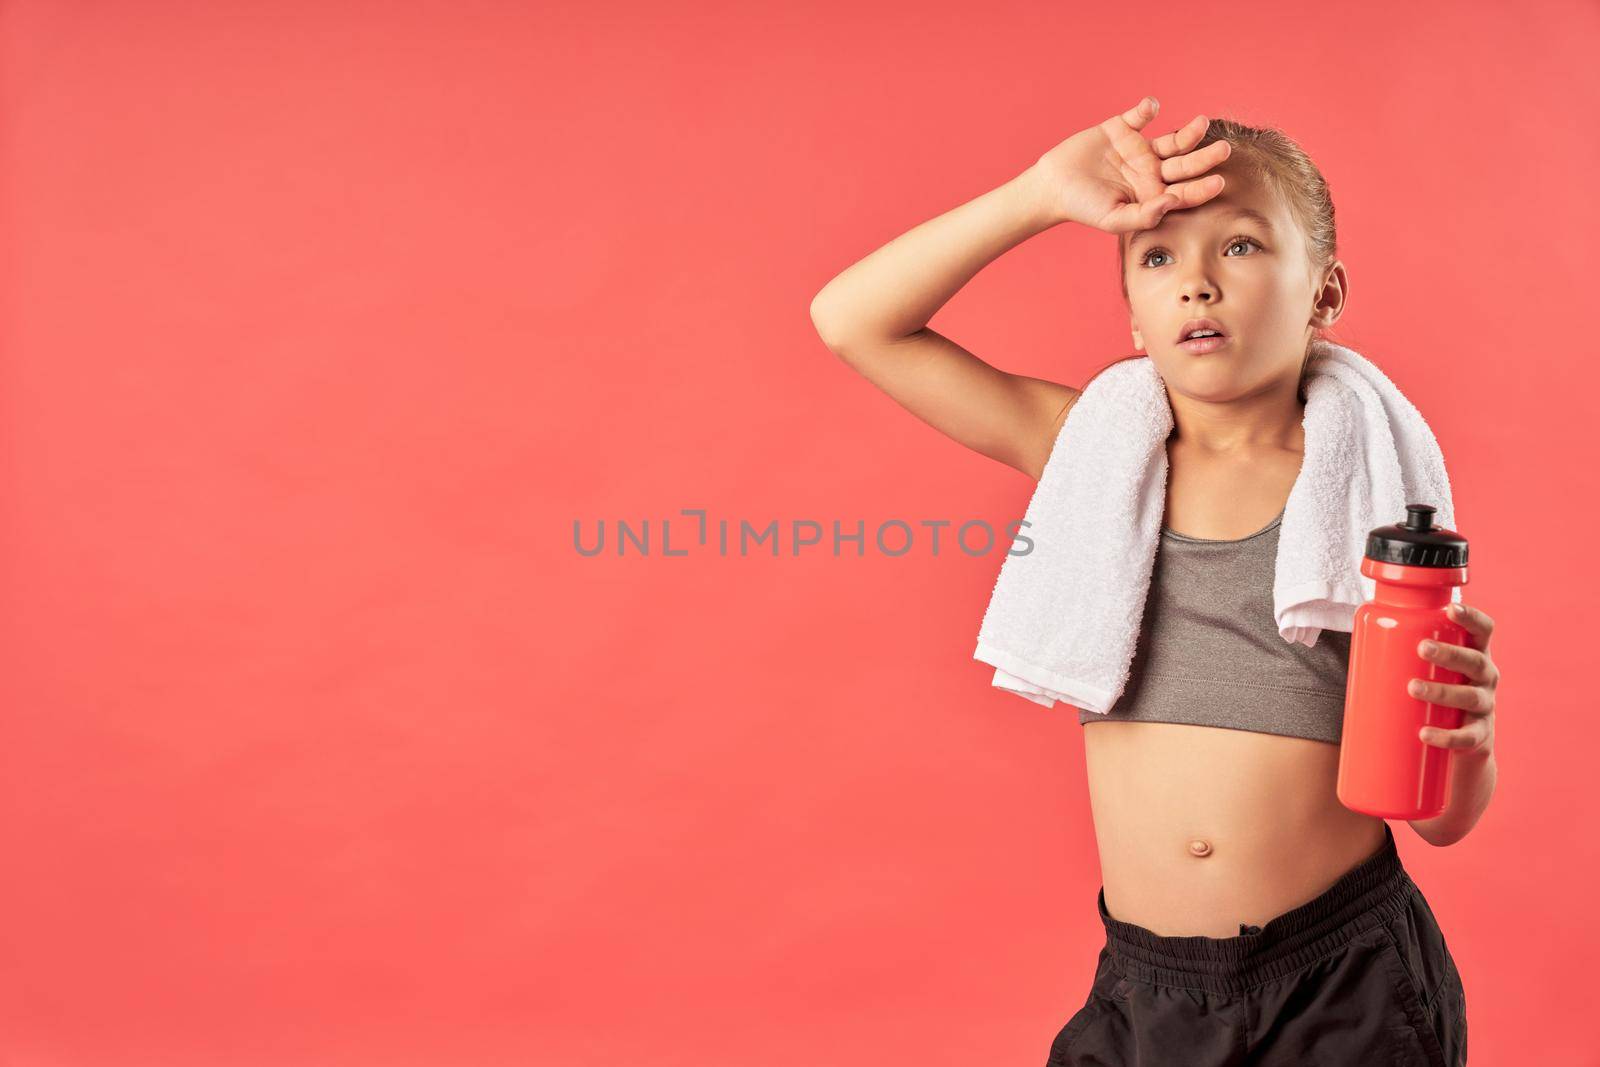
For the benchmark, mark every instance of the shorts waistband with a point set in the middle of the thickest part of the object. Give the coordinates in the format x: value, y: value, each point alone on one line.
x: 1367, y: 895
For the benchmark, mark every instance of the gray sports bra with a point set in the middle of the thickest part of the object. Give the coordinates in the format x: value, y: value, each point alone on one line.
x: 1209, y: 652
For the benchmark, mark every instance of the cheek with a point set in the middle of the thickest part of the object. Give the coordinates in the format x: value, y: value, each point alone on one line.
x: 1288, y: 296
x: 1267, y: 295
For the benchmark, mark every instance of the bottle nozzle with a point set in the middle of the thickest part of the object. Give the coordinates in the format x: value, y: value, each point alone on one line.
x: 1419, y: 516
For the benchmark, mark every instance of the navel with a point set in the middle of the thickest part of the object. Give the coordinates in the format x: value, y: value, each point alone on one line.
x: 1200, y: 847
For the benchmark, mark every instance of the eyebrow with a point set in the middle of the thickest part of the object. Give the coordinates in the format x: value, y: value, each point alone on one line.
x: 1250, y: 214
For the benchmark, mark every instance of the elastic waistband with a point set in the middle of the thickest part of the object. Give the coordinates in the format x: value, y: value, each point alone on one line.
x: 1372, y: 892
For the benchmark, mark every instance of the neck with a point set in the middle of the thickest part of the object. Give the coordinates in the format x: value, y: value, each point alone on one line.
x: 1270, y: 419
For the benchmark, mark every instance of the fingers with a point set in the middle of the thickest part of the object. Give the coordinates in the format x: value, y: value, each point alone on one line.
x: 1469, y: 698
x: 1191, y: 164
x: 1138, y: 215
x: 1148, y: 215
x: 1472, y: 736
x: 1470, y: 662
x: 1477, y: 623
x: 1197, y: 192
x: 1151, y: 212
x: 1140, y: 114
x: 1182, y: 139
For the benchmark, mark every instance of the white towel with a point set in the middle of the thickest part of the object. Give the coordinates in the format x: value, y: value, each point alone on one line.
x: 1063, y: 621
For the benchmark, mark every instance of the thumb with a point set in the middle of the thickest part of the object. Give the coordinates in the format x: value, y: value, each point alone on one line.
x: 1158, y: 209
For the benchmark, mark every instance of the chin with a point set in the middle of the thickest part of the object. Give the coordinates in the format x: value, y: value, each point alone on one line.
x: 1203, y: 379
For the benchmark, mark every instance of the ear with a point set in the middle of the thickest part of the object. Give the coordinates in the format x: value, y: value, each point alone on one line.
x: 1138, y: 340
x: 1331, y: 298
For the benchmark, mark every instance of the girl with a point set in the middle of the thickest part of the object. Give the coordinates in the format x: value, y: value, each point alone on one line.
x: 1250, y: 917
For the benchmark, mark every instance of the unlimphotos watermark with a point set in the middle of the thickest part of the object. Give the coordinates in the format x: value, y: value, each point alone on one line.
x: 891, y: 537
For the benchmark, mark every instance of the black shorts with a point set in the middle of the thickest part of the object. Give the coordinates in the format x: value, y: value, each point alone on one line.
x: 1360, y: 975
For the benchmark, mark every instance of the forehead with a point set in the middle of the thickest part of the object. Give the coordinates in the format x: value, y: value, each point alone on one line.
x: 1245, y: 206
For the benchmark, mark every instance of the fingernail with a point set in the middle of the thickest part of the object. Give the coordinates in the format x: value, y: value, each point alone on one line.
x: 1428, y: 647
x: 1414, y: 688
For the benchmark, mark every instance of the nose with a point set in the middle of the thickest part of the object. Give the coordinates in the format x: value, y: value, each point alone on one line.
x: 1198, y: 287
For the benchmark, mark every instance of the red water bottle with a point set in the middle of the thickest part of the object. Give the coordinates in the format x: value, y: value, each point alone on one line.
x: 1385, y: 768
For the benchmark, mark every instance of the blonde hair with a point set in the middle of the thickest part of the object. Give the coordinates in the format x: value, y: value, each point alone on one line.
x: 1284, y: 168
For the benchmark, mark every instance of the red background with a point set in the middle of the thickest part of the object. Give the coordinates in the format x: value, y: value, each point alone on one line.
x: 323, y: 323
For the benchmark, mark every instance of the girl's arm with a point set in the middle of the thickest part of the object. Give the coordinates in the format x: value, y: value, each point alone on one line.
x: 875, y: 314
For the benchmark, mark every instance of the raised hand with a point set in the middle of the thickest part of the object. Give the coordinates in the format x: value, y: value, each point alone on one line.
x: 1113, y: 178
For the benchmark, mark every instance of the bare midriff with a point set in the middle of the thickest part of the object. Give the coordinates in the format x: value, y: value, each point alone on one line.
x: 1202, y: 828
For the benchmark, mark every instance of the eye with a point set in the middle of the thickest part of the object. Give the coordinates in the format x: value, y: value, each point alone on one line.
x: 1236, y: 239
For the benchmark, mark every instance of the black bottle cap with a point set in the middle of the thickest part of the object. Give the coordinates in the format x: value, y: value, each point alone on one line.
x: 1417, y: 542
